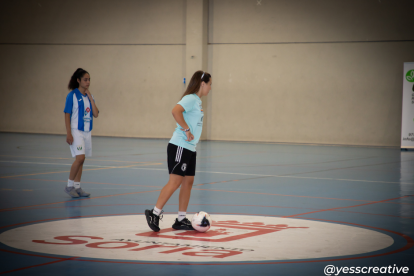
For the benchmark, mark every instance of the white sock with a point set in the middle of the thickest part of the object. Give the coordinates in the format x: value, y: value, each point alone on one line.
x: 76, y: 185
x: 70, y: 183
x: 181, y: 215
x: 156, y: 211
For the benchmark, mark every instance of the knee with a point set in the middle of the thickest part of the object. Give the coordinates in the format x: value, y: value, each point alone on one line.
x: 80, y: 159
x: 187, y: 184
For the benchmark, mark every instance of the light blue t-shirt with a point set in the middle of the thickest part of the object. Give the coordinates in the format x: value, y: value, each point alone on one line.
x: 193, y: 116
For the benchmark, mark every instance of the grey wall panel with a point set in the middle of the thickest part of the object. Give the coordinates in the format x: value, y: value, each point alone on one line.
x: 319, y: 93
x: 254, y: 21
x: 93, y: 21
x: 135, y: 87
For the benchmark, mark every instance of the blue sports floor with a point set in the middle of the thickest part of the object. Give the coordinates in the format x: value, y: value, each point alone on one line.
x: 277, y: 209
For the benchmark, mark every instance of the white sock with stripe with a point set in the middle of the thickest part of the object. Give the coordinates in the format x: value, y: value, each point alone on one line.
x: 181, y: 215
x: 76, y: 185
x: 156, y: 211
x: 70, y: 183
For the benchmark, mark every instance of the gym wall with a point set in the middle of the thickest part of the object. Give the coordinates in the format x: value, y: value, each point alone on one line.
x: 294, y: 71
x: 320, y: 71
x: 133, y: 50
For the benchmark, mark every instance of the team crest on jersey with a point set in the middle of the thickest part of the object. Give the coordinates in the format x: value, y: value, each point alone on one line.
x: 184, y: 167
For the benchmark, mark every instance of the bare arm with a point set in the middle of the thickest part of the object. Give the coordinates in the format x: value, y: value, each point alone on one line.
x: 69, y: 137
x: 177, y: 113
x: 95, y: 109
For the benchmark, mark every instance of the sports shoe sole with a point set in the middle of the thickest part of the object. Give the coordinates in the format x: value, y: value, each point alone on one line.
x: 182, y: 228
x: 82, y: 193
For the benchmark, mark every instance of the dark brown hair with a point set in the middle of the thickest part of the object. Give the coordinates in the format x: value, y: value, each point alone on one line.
x: 73, y: 83
x: 195, y: 82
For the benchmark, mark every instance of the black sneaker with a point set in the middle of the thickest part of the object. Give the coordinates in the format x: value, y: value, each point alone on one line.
x: 185, y: 224
x: 153, y: 220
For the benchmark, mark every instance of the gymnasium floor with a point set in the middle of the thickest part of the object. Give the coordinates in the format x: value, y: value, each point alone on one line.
x: 277, y: 209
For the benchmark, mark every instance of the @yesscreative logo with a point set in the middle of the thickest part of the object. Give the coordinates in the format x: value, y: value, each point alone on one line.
x: 387, y: 270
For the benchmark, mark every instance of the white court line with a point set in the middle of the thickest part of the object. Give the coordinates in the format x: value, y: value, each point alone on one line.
x: 59, y: 164
x: 247, y: 174
x: 288, y: 176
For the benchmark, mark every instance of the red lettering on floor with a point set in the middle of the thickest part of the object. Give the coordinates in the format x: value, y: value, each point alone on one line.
x: 150, y: 247
x: 176, y: 250
x: 252, y: 229
x: 69, y: 239
x: 99, y: 245
x: 215, y: 253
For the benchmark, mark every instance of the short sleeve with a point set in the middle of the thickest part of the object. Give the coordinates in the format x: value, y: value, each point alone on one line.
x: 187, y: 103
x: 69, y: 104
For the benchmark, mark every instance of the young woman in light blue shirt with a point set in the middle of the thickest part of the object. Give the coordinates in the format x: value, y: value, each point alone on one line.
x: 181, y: 151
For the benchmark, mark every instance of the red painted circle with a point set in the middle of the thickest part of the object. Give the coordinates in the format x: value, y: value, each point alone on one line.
x: 410, y: 243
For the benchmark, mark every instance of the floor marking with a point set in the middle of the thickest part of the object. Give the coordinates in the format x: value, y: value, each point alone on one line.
x: 307, y: 177
x: 100, y: 168
x: 172, y: 204
x: 287, y: 176
x: 288, y: 165
x: 372, y: 214
x: 10, y: 176
x: 333, y: 209
x: 28, y: 254
x: 15, y: 190
x: 17, y: 156
x: 63, y: 164
x: 254, y: 193
x: 353, y: 167
x: 227, y: 181
x: 52, y: 219
x: 63, y: 158
x: 87, y: 182
x: 134, y: 167
x: 27, y: 267
x: 227, y: 205
x: 235, y: 180
x: 23, y: 207
x: 345, y: 199
x: 410, y: 244
x: 73, y: 200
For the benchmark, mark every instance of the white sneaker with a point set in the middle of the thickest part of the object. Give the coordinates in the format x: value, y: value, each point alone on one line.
x: 81, y: 192
x: 71, y: 191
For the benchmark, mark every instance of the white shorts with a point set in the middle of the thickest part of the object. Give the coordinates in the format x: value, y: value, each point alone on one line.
x: 82, y: 143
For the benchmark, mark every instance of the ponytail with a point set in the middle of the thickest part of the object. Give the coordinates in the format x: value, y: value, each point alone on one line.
x: 195, y: 82
x: 73, y: 83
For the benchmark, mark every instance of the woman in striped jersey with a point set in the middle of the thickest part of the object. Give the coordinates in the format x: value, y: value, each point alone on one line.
x: 181, y: 151
x: 80, y: 108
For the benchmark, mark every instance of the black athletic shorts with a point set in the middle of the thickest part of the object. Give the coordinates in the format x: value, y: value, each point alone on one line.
x: 181, y: 161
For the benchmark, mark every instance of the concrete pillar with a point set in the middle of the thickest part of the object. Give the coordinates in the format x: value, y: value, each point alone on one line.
x: 196, y: 45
